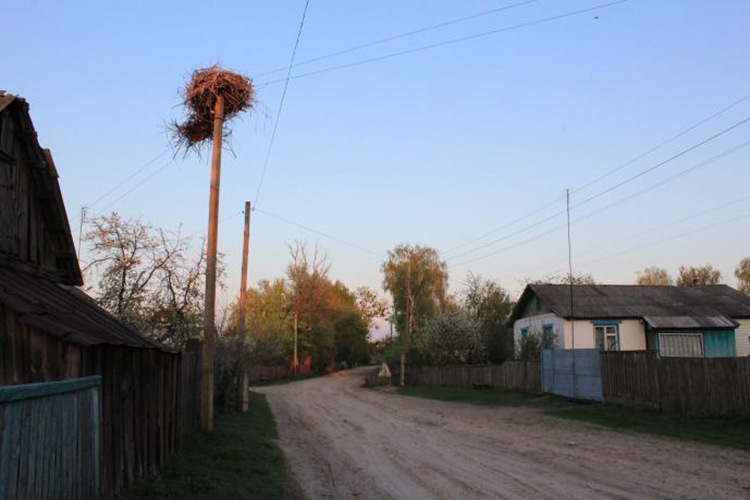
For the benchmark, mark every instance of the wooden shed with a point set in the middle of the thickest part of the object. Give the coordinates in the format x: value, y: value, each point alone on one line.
x: 50, y: 330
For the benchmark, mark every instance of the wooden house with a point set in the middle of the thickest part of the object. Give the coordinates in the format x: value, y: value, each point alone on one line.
x: 50, y: 330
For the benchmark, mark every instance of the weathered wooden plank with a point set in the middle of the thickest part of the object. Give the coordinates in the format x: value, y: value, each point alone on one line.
x: 42, y: 389
x: 10, y: 448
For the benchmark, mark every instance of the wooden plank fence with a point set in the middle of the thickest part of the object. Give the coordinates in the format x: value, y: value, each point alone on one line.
x: 49, y: 440
x: 697, y: 386
x: 150, y: 403
x: 149, y: 397
x: 512, y: 375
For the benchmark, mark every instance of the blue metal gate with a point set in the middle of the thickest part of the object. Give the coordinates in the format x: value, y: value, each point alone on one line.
x: 573, y: 373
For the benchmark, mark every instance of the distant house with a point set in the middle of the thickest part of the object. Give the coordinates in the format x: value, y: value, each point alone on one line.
x: 695, y: 321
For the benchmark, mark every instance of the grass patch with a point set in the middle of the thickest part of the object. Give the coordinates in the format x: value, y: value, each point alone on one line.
x: 471, y: 396
x: 732, y: 432
x: 240, y: 459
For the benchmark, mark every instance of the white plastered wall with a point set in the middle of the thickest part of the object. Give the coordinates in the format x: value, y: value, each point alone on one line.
x: 742, y: 338
x: 632, y: 335
x: 535, y: 325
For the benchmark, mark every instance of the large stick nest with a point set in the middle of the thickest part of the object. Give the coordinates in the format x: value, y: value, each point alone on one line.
x: 200, y: 96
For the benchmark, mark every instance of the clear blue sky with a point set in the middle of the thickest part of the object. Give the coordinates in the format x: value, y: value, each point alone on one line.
x: 435, y: 147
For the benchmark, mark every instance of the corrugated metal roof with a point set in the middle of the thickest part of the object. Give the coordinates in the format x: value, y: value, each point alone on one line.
x: 64, y: 311
x: 689, y: 322
x: 635, y: 301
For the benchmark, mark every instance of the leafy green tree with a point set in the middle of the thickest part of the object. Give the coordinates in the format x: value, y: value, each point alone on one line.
x: 371, y: 306
x: 742, y: 272
x: 269, y: 323
x: 352, y: 339
x: 417, y: 280
x: 700, y: 275
x: 490, y: 306
x: 331, y: 325
x: 654, y: 276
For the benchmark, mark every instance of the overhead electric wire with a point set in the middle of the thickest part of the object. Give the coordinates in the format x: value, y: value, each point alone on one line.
x: 506, y: 226
x: 325, y: 235
x: 663, y: 143
x: 664, y: 162
x: 451, y: 41
x: 136, y: 186
x: 222, y: 221
x: 673, y: 237
x: 599, y: 210
x: 396, y: 37
x: 122, y: 182
x: 606, y: 174
x: 654, y: 229
x: 673, y: 223
x: 281, y: 103
x: 605, y: 191
x: 671, y: 178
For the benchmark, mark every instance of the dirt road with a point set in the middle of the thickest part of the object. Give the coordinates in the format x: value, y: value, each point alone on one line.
x: 343, y: 441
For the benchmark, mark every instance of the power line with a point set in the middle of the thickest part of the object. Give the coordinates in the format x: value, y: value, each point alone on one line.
x: 673, y: 237
x: 222, y: 221
x: 675, y: 222
x: 590, y: 214
x: 610, y: 189
x: 655, y: 242
x: 506, y: 226
x: 306, y: 228
x: 606, y: 174
x: 662, y: 163
x: 281, y: 103
x: 667, y: 180
x: 514, y: 245
x: 663, y: 143
x: 122, y: 182
x: 397, y: 37
x: 452, y: 41
x: 142, y: 182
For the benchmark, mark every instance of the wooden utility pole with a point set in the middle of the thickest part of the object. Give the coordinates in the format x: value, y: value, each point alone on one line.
x: 407, y: 334
x: 209, y: 313
x: 243, y: 401
x: 80, y: 231
x: 295, y: 359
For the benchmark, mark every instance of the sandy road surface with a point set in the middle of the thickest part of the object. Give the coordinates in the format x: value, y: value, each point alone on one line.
x: 345, y: 442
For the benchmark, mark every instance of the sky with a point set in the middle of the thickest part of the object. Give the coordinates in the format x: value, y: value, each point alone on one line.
x: 458, y: 125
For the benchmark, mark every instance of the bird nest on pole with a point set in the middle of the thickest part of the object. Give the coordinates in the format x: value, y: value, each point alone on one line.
x: 199, y: 98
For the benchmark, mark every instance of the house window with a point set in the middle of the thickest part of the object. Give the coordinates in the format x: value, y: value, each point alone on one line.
x: 606, y: 338
x: 682, y: 345
x: 548, y: 336
x: 524, y: 334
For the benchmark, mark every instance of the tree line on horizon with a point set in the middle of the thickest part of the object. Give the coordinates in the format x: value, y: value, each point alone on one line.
x: 153, y: 280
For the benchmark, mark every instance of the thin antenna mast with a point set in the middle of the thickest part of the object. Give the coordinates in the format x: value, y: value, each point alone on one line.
x: 570, y: 273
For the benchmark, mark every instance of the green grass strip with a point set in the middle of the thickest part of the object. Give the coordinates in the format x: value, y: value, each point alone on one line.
x: 240, y: 459
x: 731, y: 432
